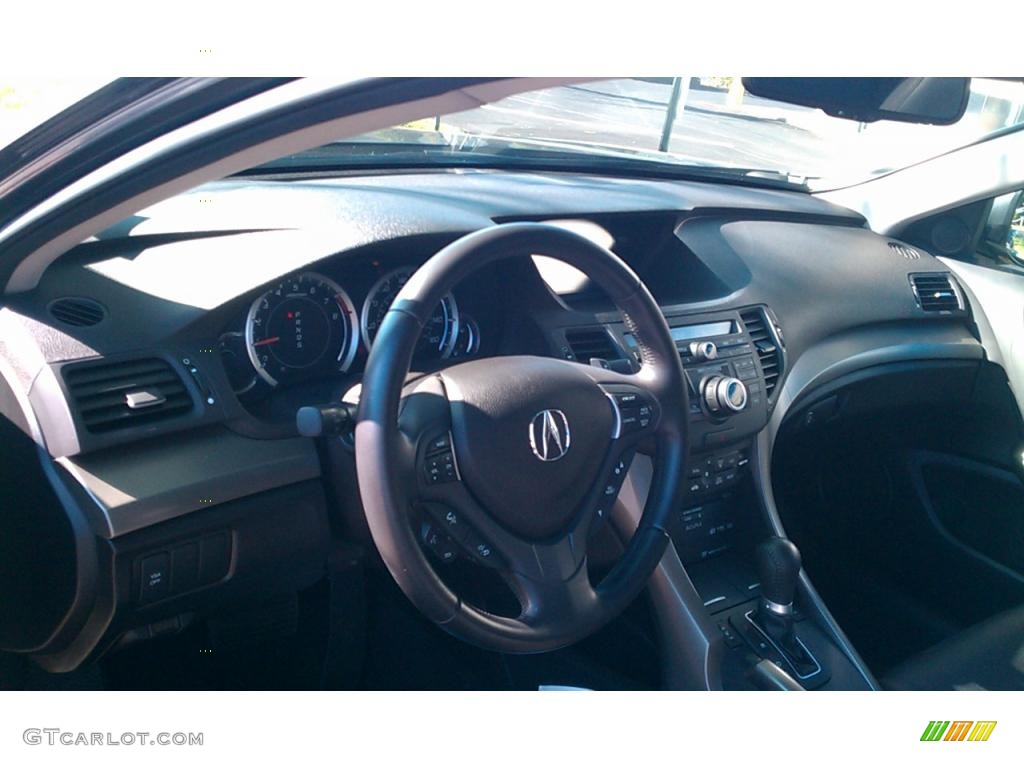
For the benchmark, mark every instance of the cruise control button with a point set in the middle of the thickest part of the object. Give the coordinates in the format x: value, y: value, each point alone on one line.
x: 629, y: 418
x: 627, y: 399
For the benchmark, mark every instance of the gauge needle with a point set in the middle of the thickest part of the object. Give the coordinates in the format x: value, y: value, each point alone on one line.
x: 271, y: 340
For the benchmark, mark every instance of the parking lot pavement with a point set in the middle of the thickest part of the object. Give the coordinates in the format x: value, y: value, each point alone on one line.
x: 708, y: 130
x: 631, y: 114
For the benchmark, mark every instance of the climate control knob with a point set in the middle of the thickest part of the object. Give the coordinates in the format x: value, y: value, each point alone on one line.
x: 724, y: 394
x: 703, y: 350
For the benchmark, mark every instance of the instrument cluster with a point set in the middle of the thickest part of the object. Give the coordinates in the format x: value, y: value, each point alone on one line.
x: 310, y: 325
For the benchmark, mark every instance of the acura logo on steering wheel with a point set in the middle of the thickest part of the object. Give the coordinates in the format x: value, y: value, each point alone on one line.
x: 549, y: 435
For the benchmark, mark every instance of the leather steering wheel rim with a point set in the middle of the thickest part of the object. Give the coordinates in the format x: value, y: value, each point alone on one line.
x: 559, y: 605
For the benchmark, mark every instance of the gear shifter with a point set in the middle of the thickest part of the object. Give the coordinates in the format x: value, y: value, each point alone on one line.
x: 778, y: 566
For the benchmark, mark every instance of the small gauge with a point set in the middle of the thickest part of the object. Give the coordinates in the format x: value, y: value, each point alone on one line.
x: 439, y: 333
x: 233, y: 355
x: 468, y: 342
x: 303, y: 326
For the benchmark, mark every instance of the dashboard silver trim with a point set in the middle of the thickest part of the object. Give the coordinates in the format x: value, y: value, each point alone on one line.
x: 447, y: 303
x: 349, y: 347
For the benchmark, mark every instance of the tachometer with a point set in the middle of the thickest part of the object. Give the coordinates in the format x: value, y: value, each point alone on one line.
x: 440, y: 331
x: 304, y: 326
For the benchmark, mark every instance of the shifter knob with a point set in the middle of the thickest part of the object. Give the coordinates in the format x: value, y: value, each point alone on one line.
x: 778, y: 565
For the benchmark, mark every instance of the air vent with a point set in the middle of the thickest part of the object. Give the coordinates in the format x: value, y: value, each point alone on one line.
x: 757, y: 325
x: 75, y: 310
x: 111, y: 396
x: 905, y: 251
x: 586, y: 343
x: 935, y: 292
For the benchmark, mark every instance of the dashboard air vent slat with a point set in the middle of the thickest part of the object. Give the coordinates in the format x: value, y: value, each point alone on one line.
x: 756, y: 323
x: 119, y: 395
x: 587, y: 343
x: 77, y: 311
x: 935, y: 292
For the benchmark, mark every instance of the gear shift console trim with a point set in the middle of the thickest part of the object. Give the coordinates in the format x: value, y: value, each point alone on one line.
x: 777, y: 608
x: 767, y: 636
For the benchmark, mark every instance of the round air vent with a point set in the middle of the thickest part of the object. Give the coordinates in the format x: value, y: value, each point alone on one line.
x: 77, y: 310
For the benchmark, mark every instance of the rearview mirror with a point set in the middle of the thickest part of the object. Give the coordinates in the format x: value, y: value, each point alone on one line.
x: 934, y: 100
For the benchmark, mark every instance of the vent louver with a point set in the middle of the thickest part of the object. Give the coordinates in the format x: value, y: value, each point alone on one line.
x: 118, y: 395
x: 591, y: 342
x: 935, y: 292
x: 757, y: 324
x: 78, y: 311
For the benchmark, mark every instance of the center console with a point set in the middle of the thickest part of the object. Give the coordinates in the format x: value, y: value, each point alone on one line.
x: 731, y: 360
x: 745, y: 580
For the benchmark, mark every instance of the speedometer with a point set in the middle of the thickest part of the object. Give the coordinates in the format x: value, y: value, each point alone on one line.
x: 439, y: 332
x: 304, y: 326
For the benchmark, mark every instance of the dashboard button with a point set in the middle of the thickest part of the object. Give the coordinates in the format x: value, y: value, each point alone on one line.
x: 732, y: 640
x: 185, y: 567
x: 155, y: 577
x: 214, y: 558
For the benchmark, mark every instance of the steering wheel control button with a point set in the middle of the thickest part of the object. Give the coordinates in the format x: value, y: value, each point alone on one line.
x: 440, y: 443
x: 437, y: 542
x: 611, y: 488
x: 439, y: 464
x: 481, y: 551
x: 447, y: 531
x: 635, y: 411
x: 440, y: 468
x: 450, y: 521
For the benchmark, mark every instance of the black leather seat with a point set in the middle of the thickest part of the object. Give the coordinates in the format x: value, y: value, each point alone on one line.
x: 987, y: 656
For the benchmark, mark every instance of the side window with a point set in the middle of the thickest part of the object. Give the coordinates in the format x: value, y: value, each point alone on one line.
x: 1015, y: 237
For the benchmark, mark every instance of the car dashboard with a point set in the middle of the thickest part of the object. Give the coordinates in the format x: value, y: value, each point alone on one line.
x: 162, y: 362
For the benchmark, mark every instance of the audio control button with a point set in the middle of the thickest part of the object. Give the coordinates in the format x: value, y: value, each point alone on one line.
x: 724, y: 394
x: 703, y: 350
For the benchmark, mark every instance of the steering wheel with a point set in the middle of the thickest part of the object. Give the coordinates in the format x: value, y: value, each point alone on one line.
x: 515, y: 460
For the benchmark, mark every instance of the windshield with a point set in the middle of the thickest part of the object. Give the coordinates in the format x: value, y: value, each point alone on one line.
x: 708, y: 125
